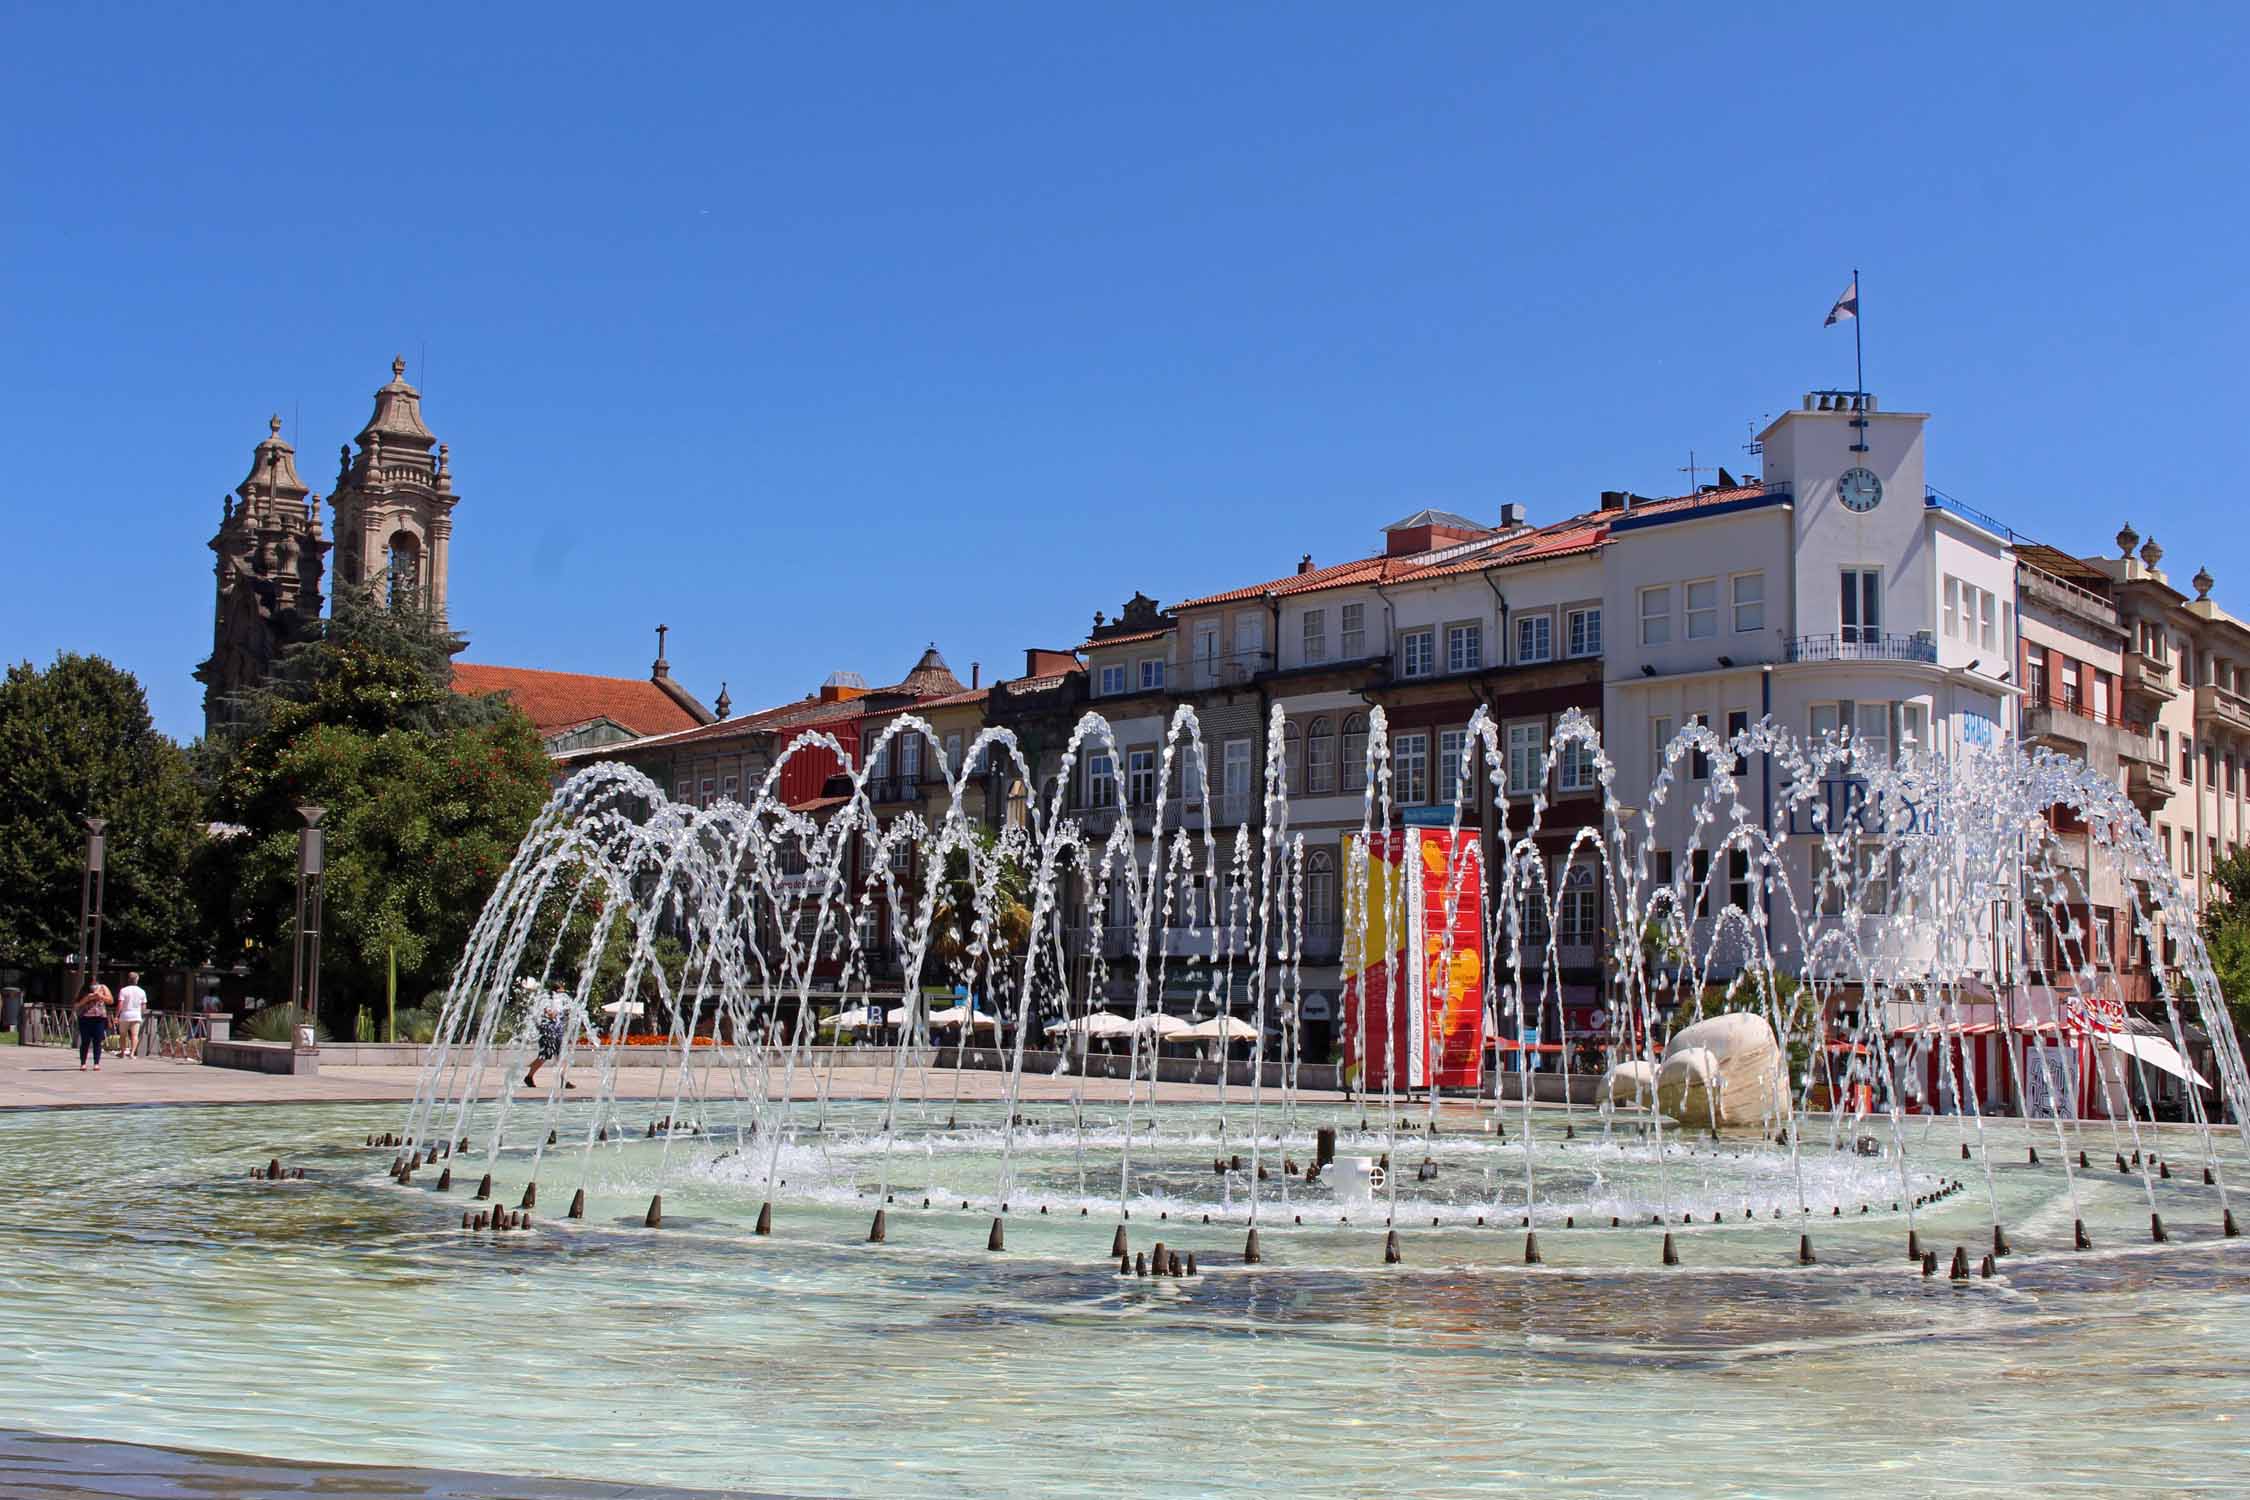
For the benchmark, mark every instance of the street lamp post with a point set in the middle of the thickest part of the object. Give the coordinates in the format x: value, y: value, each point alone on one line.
x: 304, y: 969
x: 90, y: 904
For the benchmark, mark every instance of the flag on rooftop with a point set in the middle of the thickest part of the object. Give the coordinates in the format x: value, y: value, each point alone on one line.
x: 1847, y: 306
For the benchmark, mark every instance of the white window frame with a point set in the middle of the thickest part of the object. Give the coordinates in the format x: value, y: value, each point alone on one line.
x: 1152, y: 674
x: 1464, y: 646
x: 1535, y: 638
x: 1451, y: 742
x: 1527, y: 756
x: 1577, y: 772
x: 1315, y: 636
x: 1101, y: 779
x: 1140, y: 777
x: 1585, y: 631
x: 1410, y: 769
x: 1755, y: 621
x: 1656, y: 624
x: 1691, y: 612
x: 1426, y: 639
x: 1113, y: 679
x: 1250, y: 633
x: 1861, y: 631
x: 1351, y: 631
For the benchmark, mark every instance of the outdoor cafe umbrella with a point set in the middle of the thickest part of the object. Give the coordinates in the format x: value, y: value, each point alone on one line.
x: 865, y: 1015
x: 1100, y: 1023
x: 1162, y: 1024
x: 624, y: 1008
x: 1229, y: 1028
x: 955, y: 1015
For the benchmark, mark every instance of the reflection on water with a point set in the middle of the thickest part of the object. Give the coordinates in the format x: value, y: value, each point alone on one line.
x: 158, y: 1295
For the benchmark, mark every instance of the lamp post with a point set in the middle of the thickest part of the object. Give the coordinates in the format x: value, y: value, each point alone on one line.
x: 90, y: 905
x: 304, y: 968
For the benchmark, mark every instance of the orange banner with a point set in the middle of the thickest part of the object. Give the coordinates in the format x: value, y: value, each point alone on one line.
x: 1409, y: 1024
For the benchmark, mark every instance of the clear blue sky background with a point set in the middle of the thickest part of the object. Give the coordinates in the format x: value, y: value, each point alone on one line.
x: 826, y: 332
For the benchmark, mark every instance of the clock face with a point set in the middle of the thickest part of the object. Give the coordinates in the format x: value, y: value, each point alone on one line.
x: 1861, y: 489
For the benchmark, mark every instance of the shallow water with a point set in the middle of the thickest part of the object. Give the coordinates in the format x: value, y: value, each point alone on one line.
x: 156, y: 1294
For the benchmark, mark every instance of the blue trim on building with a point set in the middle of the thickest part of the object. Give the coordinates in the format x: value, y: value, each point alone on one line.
x: 1701, y: 512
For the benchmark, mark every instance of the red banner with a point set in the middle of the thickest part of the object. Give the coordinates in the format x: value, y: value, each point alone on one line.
x: 1407, y: 1025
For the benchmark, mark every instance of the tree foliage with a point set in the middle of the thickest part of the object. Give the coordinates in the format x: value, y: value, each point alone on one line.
x: 2226, y: 934
x: 76, y: 741
x: 427, y: 791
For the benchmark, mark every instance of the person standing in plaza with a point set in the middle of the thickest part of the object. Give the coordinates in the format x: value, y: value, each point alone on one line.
x: 93, y: 1024
x: 132, y: 1009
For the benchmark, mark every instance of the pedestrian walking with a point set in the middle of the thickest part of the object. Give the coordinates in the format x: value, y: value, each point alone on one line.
x: 551, y: 1020
x: 93, y: 1024
x: 132, y: 1008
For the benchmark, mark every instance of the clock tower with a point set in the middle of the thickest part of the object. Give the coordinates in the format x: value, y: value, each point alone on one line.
x: 1854, y: 474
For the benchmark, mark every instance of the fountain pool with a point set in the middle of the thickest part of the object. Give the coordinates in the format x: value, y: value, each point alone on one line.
x: 160, y: 1295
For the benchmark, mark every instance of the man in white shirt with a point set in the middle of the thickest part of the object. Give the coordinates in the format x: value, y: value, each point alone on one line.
x: 132, y: 1006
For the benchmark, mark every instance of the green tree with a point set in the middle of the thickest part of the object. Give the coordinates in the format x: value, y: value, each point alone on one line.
x: 76, y: 742
x: 428, y: 792
x: 2226, y: 935
x: 953, y: 918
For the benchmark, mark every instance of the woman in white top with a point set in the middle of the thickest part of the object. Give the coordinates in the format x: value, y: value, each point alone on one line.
x: 132, y: 1005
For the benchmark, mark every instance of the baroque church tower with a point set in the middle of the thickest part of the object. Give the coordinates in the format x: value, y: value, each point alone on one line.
x: 271, y: 556
x: 394, y: 504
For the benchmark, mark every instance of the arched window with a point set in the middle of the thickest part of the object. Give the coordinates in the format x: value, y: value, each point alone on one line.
x: 1293, y: 758
x: 1320, y: 893
x: 1354, y: 762
x: 1320, y: 757
x: 403, y: 570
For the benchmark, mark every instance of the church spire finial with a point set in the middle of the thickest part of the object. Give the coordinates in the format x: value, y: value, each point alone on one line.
x: 273, y: 424
x: 398, y: 367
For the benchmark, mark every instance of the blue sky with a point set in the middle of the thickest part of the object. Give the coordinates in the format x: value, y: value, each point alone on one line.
x: 825, y: 332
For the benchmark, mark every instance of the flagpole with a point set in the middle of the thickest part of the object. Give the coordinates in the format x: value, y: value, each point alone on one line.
x: 1859, y: 364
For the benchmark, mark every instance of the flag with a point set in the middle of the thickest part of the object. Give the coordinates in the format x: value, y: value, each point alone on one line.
x: 1847, y: 306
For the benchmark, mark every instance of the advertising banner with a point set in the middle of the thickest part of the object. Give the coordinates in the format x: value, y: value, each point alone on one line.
x: 1411, y: 1022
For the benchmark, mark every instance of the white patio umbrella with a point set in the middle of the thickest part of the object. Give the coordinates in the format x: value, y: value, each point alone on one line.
x: 850, y: 1020
x: 895, y: 1016
x: 624, y: 1008
x: 956, y: 1015
x: 1163, y: 1025
x: 1227, y: 1028
x: 1099, y: 1023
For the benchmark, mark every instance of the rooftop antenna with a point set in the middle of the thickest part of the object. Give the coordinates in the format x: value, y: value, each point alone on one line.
x: 1692, y: 469
x: 1755, y: 448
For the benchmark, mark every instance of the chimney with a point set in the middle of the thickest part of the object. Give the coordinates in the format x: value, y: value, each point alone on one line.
x: 1512, y: 515
x: 976, y: 674
x: 1304, y: 564
x: 660, y: 668
x: 1613, y: 499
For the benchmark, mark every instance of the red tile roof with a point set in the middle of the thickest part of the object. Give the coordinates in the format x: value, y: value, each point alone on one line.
x: 556, y: 701
x: 1128, y: 637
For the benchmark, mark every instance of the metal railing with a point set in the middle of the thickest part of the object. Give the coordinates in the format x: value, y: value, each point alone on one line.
x: 1227, y: 670
x: 164, y: 1033
x: 1860, y: 645
x: 1937, y: 499
x: 2078, y: 708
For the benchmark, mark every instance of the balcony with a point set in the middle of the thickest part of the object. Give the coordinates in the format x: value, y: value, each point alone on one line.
x: 2151, y: 676
x: 1231, y: 670
x: 2215, y: 705
x: 2039, y: 587
x: 2076, y: 729
x: 1233, y: 809
x: 1863, y: 645
x: 896, y: 789
x: 2149, y: 783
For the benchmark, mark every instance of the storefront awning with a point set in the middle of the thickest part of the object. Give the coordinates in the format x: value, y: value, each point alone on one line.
x: 2157, y: 1053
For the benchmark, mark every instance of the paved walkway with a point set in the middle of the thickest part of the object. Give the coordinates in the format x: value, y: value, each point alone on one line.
x: 48, y: 1078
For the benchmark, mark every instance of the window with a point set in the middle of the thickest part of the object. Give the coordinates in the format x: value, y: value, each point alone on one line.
x: 953, y: 765
x: 1699, y: 881
x: 1418, y: 653
x: 2163, y: 744
x: 1187, y: 772
x: 1860, y: 601
x: 1152, y: 673
x: 2210, y: 766
x: 1101, y: 779
x: 684, y: 792
x: 1699, y: 759
x: 1987, y: 637
x: 1660, y: 736
x: 1352, y: 759
x: 1527, y: 747
x: 1410, y: 770
x: 1464, y: 648
x: 2187, y: 759
x: 1702, y: 601
x: 1234, y: 781
x: 1656, y: 616
x: 1140, y: 777
x: 1449, y: 742
x: 1316, y: 635
x: 1113, y: 679
x: 1207, y: 651
x: 728, y: 785
x: 1351, y: 621
x: 1585, y: 632
x: 1580, y: 912
x: 1320, y: 757
x: 1320, y: 890
x: 1952, y: 607
x: 2035, y: 679
x: 1913, y: 732
x: 1535, y: 638
x: 1738, y: 724
x: 1578, y: 774
x: 1293, y: 758
x: 910, y: 756
x: 902, y: 856
x: 1738, y: 879
x: 710, y: 787
x: 1663, y: 870
x: 1749, y: 602
x: 1250, y: 637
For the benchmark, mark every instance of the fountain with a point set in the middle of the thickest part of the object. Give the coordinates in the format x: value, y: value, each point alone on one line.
x: 1824, y: 973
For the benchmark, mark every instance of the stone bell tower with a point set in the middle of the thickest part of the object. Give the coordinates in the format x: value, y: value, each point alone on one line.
x: 271, y: 556
x: 394, y: 505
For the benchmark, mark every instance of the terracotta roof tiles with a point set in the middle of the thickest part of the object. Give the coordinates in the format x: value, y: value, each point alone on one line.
x: 555, y: 701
